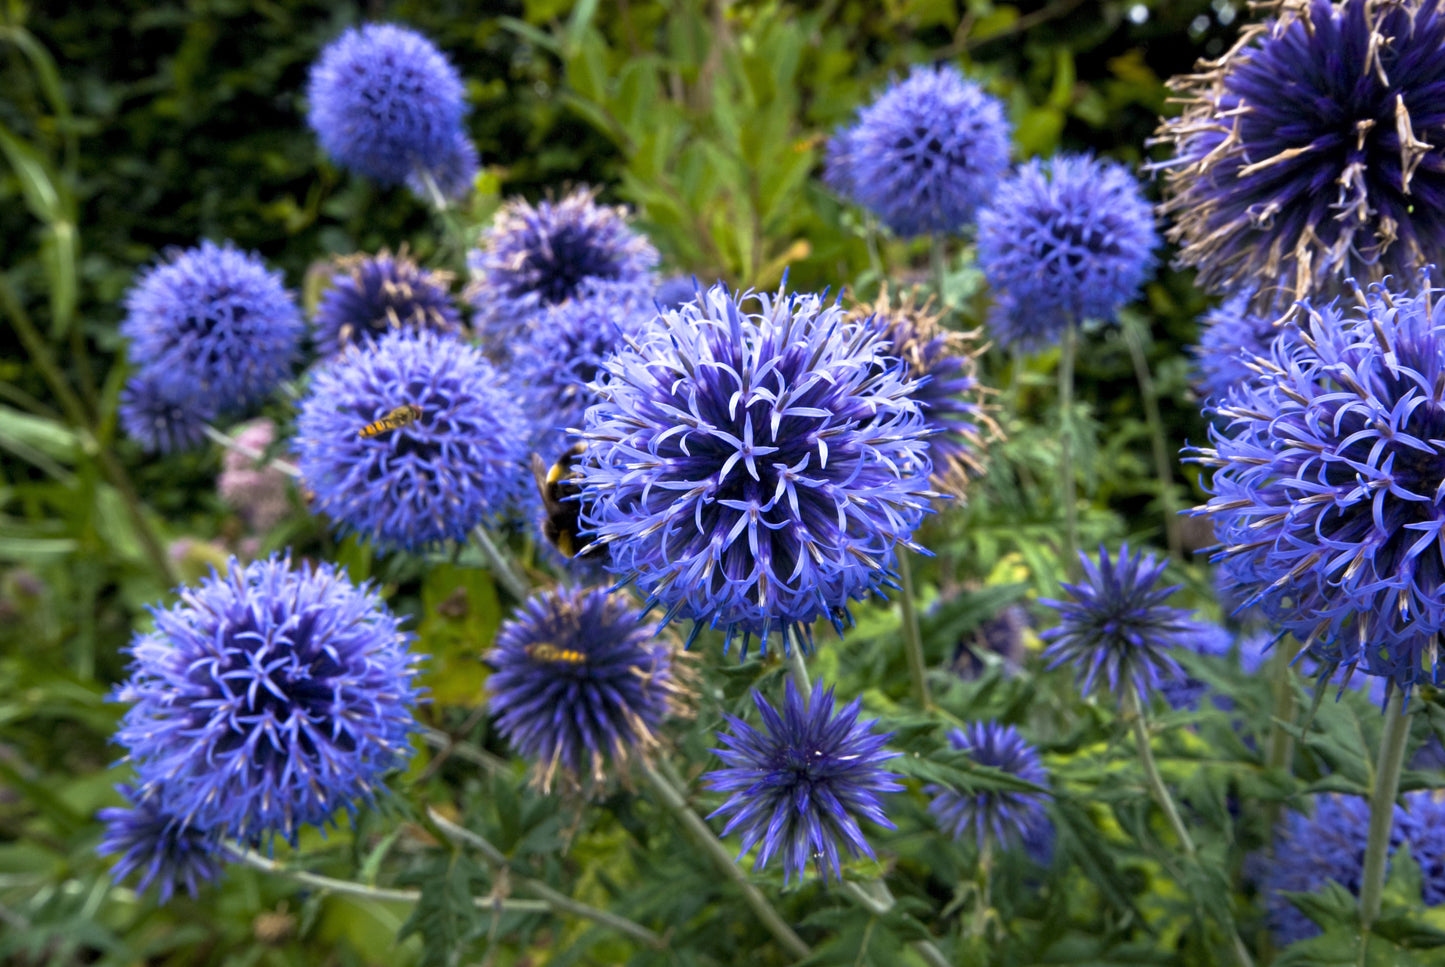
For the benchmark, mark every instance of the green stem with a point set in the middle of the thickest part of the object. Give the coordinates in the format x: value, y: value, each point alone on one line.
x: 1279, y: 752
x: 1068, y: 492
x: 1163, y: 468
x: 559, y: 902
x: 870, y: 238
x: 702, y: 835
x: 351, y: 888
x: 880, y: 905
x: 1134, y: 709
x: 798, y: 666
x: 912, y: 634
x: 1382, y: 807
x: 250, y: 453
x: 938, y: 258
x: 983, y: 884
x: 500, y: 567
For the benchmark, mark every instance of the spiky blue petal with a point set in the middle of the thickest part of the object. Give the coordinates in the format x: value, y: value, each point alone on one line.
x: 1229, y: 337
x: 1003, y: 817
x: 166, y: 851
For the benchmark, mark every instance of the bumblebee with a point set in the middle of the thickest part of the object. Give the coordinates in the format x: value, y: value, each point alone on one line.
x: 404, y: 415
x: 559, y: 489
x: 542, y: 651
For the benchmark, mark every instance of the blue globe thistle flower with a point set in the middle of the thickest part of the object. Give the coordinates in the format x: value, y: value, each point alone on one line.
x: 385, y: 101
x: 1002, y: 817
x: 1001, y: 635
x: 533, y: 258
x: 947, y: 388
x: 676, y: 290
x: 1313, y: 151
x: 268, y: 699
x: 799, y: 786
x: 1185, y: 691
x: 755, y: 470
x: 453, y: 175
x: 167, y: 851
x: 371, y: 295
x: 158, y: 423
x: 1062, y: 241
x: 1230, y: 336
x: 580, y: 678
x: 1329, y: 484
x: 212, y: 326
x: 1116, y: 629
x: 459, y: 463
x: 925, y: 155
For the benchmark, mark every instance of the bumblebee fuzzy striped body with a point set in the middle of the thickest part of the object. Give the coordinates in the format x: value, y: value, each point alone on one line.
x: 563, y: 515
x: 545, y: 652
x: 403, y: 415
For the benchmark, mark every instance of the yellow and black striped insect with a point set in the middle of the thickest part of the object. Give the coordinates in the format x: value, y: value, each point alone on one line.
x: 542, y: 651
x: 404, y: 415
x: 564, y: 515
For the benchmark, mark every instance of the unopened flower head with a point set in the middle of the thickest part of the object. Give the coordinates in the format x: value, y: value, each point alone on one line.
x: 371, y: 295
x: 925, y: 155
x: 212, y: 326
x: 755, y: 462
x: 1116, y: 629
x: 799, y: 786
x: 581, y: 678
x: 458, y: 460
x: 268, y: 699
x: 1329, y: 483
x: 158, y: 423
x: 1002, y: 817
x: 1063, y: 240
x: 1313, y: 151
x: 167, y: 852
x: 536, y: 257
x: 385, y: 101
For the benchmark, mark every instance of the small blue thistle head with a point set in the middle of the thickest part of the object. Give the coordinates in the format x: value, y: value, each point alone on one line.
x: 1116, y: 628
x: 1003, y: 817
x: 800, y: 786
x: 1314, y: 151
x: 925, y: 155
x: 946, y: 387
x: 267, y: 699
x: 459, y: 463
x: 533, y: 258
x: 1230, y: 336
x: 1001, y: 635
x: 371, y: 295
x: 385, y: 101
x: 1329, y: 484
x: 755, y: 470
x: 1186, y: 691
x: 158, y: 423
x: 167, y: 851
x: 454, y: 175
x: 212, y: 326
x: 581, y: 677
x: 1064, y: 240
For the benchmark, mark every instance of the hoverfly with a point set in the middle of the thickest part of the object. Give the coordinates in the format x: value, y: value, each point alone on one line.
x: 545, y: 652
x: 403, y: 415
x: 557, y: 485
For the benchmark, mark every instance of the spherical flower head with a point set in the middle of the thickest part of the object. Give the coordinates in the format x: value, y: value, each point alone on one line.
x: 925, y: 155
x: 1064, y: 240
x: 676, y: 290
x: 1329, y: 483
x: 212, y: 324
x: 453, y: 176
x: 1186, y: 691
x: 457, y: 464
x: 1002, y: 817
x: 258, y: 492
x: 371, y: 295
x: 755, y: 469
x: 158, y: 423
x: 1229, y: 338
x: 801, y: 784
x: 167, y: 851
x: 1001, y: 635
x: 580, y: 678
x: 533, y: 258
x: 1116, y: 627
x: 947, y: 387
x: 1313, y: 151
x: 267, y: 699
x: 385, y: 101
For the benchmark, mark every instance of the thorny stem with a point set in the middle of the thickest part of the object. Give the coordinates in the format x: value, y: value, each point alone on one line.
x: 250, y: 453
x: 1068, y: 492
x: 861, y: 894
x: 1162, y: 466
x: 675, y: 804
x: 559, y: 902
x: 912, y: 634
x: 500, y: 567
x: 352, y: 888
x: 1382, y: 809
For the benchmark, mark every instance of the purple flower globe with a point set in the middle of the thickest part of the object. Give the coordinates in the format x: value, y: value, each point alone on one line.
x: 385, y: 101
x: 1002, y: 817
x: 267, y: 699
x: 755, y: 463
x: 1229, y: 338
x: 923, y: 156
x: 1062, y: 241
x: 452, y: 176
x: 1313, y: 151
x: 166, y: 851
x: 799, y: 786
x: 1329, y: 484
x: 581, y: 678
x: 157, y: 422
x: 461, y: 460
x: 371, y: 295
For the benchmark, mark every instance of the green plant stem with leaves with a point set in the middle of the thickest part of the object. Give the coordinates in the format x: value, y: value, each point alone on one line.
x: 875, y: 897
x: 1388, y: 766
x: 912, y: 633
x: 501, y: 568
x: 1163, y: 467
x: 1068, y: 491
x: 1134, y: 710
